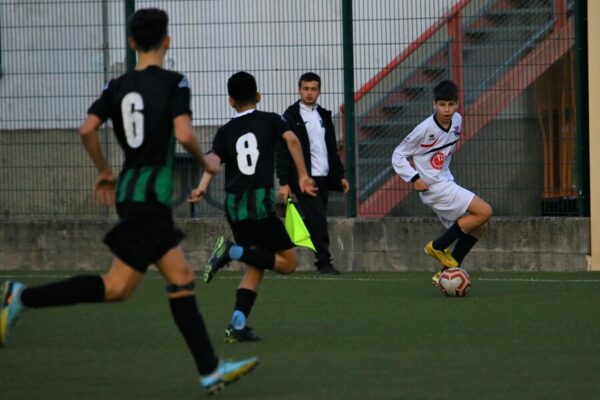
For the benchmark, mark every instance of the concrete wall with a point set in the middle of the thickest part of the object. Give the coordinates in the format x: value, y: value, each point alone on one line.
x: 389, y: 244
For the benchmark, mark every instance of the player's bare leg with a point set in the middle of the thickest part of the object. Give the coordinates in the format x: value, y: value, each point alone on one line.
x: 478, y: 213
x: 475, y: 224
x: 120, y: 281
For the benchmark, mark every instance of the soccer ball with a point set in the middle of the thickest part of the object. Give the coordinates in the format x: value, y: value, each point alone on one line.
x: 455, y: 282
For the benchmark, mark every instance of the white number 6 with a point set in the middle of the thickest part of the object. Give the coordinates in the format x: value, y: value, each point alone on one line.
x: 132, y: 106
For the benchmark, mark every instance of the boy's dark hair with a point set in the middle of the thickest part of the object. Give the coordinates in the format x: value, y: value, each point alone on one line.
x: 241, y: 87
x: 309, y: 77
x: 445, y: 91
x: 148, y: 27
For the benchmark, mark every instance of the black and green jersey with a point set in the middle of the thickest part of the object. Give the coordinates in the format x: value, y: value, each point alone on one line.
x: 142, y: 106
x: 246, y: 145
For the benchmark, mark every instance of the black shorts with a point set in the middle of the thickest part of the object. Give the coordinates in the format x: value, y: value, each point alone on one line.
x: 144, y: 234
x: 267, y: 233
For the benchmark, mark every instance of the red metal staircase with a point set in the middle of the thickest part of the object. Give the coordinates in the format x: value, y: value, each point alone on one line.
x: 493, y: 50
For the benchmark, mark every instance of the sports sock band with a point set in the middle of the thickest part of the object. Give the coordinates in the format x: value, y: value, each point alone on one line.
x: 235, y: 252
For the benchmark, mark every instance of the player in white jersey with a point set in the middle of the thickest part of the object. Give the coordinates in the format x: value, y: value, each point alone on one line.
x: 423, y: 158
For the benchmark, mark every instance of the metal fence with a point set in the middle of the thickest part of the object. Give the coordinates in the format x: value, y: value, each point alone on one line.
x: 513, y: 61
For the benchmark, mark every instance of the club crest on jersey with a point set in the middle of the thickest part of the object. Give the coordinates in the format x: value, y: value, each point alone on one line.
x: 184, y: 83
x: 456, y: 131
x: 437, y: 161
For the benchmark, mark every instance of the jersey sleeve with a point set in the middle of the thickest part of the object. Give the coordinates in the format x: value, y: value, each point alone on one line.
x: 406, y: 149
x: 180, y: 101
x: 280, y: 125
x: 101, y: 107
x: 219, y: 145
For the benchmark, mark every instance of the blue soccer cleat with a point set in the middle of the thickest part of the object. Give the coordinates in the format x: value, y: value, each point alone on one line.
x: 228, y: 371
x: 10, y: 308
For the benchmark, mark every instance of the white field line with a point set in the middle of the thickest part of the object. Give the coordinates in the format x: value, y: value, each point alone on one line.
x: 323, y: 279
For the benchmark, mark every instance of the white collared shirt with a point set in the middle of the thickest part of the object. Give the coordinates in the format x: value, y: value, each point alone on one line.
x: 237, y: 114
x: 316, y: 135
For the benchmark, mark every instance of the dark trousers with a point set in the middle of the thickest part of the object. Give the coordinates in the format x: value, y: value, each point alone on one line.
x: 314, y: 210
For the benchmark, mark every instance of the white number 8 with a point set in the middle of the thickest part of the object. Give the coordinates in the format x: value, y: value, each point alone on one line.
x: 132, y: 106
x: 247, y: 153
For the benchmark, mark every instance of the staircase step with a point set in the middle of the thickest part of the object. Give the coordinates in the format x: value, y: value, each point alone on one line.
x: 511, y: 12
x: 493, y: 46
x: 484, y: 30
x: 393, y: 110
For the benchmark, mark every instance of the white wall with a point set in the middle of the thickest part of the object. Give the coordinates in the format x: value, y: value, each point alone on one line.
x: 53, y: 57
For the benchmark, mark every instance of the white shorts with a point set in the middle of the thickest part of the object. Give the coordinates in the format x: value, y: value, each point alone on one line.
x: 448, y: 200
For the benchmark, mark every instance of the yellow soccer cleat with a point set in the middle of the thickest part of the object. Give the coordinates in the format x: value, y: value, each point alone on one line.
x: 228, y: 371
x: 442, y: 256
x: 435, y: 279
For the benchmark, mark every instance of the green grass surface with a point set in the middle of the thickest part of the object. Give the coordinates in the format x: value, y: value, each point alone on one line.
x: 359, y: 336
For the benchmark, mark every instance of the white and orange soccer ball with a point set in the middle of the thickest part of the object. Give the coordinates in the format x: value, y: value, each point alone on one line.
x: 455, y: 282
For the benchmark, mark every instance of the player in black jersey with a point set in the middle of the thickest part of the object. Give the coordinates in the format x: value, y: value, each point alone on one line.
x: 149, y: 108
x: 246, y: 145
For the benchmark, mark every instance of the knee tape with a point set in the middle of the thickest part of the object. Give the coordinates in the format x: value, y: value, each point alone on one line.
x: 180, y: 288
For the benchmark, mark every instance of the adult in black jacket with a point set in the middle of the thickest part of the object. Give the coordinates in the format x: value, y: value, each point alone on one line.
x: 314, y: 127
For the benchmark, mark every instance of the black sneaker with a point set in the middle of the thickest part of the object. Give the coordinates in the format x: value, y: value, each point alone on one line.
x: 218, y: 259
x: 240, y: 335
x: 328, y: 270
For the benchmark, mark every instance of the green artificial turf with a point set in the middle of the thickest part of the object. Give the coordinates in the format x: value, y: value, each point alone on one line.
x: 356, y: 336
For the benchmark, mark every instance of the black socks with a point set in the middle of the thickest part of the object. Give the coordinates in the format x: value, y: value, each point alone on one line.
x: 244, y: 300
x: 463, y: 246
x: 79, y: 289
x: 259, y: 258
x: 448, y: 237
x: 191, y: 325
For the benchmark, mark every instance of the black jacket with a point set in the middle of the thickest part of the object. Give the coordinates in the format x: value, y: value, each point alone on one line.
x: 286, y: 170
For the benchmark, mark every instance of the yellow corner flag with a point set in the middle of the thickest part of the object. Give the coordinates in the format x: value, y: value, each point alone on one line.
x: 295, y: 227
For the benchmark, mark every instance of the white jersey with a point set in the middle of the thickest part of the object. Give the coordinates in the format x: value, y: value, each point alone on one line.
x: 430, y: 147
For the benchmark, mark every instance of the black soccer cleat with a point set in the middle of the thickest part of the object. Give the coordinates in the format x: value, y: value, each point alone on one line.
x: 328, y: 270
x: 218, y: 259
x: 246, y: 334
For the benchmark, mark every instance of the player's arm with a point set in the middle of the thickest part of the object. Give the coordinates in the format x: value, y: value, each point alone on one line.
x: 185, y: 135
x: 105, y: 183
x: 306, y: 183
x: 283, y: 167
x: 402, y: 165
x: 283, y: 160
x: 88, y: 133
x: 200, y: 191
